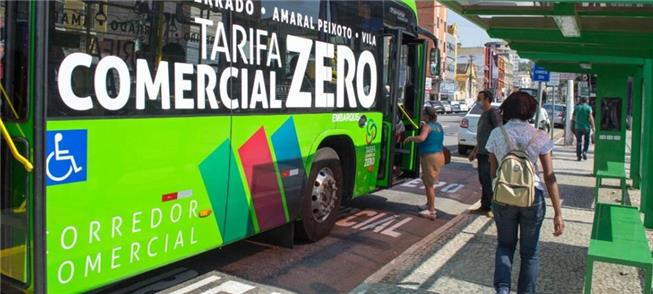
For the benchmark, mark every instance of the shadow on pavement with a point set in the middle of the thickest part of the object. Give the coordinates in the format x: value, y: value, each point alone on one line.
x: 472, y: 266
x: 576, y: 197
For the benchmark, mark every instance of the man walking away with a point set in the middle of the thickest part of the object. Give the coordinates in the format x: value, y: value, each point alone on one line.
x: 583, y: 122
x: 489, y: 120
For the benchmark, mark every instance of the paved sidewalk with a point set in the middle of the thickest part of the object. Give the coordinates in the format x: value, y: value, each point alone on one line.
x: 461, y: 260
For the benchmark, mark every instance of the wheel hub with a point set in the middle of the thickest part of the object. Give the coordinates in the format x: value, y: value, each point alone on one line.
x: 323, y: 196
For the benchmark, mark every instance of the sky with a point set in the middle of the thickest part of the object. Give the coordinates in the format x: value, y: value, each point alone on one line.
x: 469, y: 34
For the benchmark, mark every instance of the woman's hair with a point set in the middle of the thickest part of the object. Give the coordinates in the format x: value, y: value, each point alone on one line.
x: 431, y: 113
x: 519, y: 105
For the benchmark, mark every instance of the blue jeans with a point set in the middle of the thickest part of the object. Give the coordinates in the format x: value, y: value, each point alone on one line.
x: 527, y: 221
x: 582, y: 135
x: 486, y: 180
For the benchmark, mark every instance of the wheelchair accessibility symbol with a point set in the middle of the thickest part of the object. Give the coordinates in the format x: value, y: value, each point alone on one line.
x: 66, y: 156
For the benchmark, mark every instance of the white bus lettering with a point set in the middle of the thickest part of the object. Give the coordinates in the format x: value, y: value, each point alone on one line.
x: 206, y: 81
x: 154, y: 88
x: 345, y: 79
x: 101, y: 71
x: 366, y: 59
x: 182, y: 85
x: 323, y: 74
x: 229, y: 72
x: 64, y: 81
x: 297, y: 98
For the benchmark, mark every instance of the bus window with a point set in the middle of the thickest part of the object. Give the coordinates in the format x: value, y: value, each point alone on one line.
x: 407, y: 74
x: 388, y: 69
x: 13, y: 60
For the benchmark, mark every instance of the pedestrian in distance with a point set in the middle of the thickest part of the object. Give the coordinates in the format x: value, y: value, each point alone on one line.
x: 519, y: 142
x: 583, y: 123
x: 431, y: 149
x: 489, y: 120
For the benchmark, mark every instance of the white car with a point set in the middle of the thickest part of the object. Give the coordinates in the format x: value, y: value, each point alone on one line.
x: 558, y: 115
x: 447, y: 107
x: 467, y: 130
x: 545, y: 123
x: 457, y: 106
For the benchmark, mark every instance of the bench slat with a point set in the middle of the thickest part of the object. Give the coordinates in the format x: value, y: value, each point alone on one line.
x: 614, y: 169
x: 618, y: 234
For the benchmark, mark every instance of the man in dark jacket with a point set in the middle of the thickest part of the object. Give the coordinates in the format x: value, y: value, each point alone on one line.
x: 489, y: 120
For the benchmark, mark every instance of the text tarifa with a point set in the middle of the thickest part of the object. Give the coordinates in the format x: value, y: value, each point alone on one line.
x: 253, y: 69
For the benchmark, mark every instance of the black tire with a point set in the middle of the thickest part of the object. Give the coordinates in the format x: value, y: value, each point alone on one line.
x: 462, y: 150
x: 310, y: 228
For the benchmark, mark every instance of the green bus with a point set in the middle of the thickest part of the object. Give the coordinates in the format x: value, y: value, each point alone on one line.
x: 139, y: 133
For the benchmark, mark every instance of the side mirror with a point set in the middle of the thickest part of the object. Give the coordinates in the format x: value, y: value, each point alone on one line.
x: 435, y: 61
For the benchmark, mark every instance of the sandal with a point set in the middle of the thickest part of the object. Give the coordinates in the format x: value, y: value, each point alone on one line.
x: 428, y: 214
x: 423, y: 207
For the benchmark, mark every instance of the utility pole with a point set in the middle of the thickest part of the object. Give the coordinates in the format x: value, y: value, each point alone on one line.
x: 471, y: 79
x: 540, y: 90
x: 569, y: 113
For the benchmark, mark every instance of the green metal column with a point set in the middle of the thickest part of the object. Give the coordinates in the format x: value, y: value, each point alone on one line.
x: 647, y: 140
x: 610, y: 137
x: 635, y: 152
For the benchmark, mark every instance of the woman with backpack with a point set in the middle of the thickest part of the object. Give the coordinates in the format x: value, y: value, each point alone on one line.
x: 431, y: 149
x: 518, y: 203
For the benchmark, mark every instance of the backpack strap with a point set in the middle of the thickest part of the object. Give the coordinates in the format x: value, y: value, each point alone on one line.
x: 537, y: 134
x: 510, y: 144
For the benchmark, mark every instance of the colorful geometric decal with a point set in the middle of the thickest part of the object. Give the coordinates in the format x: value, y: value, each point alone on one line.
x: 290, y: 164
x: 232, y: 212
x: 261, y: 176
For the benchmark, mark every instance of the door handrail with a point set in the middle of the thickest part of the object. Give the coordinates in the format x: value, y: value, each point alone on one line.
x: 410, y: 119
x: 14, y: 151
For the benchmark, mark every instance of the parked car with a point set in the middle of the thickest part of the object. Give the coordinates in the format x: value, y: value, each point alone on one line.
x: 467, y: 129
x: 558, y: 115
x: 545, y: 123
x: 464, y: 107
x: 457, y: 106
x: 439, y: 108
x: 447, y: 106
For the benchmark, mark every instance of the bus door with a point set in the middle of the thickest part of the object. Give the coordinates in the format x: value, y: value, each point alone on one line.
x: 15, y: 146
x: 403, y: 68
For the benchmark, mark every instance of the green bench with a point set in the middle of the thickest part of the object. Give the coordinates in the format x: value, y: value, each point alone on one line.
x: 614, y: 170
x: 618, y: 237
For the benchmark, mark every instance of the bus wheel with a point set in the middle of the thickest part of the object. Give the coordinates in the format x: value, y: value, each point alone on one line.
x: 322, y: 195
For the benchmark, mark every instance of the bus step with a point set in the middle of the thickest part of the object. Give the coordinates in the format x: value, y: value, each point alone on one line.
x: 402, y: 151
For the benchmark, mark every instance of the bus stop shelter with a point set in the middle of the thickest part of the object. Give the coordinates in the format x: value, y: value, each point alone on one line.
x: 611, y: 39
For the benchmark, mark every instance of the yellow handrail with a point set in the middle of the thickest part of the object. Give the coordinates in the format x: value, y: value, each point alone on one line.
x: 11, y: 105
x: 401, y: 107
x: 12, y: 147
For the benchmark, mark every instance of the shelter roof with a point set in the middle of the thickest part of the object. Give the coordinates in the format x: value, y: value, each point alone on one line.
x: 565, y: 35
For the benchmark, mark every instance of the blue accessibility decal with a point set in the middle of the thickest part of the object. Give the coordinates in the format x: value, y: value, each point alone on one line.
x: 66, y: 156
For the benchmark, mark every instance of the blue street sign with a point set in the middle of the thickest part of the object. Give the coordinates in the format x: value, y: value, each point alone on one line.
x: 540, y: 74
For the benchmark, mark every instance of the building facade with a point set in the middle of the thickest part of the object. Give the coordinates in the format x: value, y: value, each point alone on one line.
x: 474, y: 56
x: 433, y: 17
x: 448, y: 85
x: 466, y: 83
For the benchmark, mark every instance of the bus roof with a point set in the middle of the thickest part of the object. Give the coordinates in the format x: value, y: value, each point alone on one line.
x: 411, y: 4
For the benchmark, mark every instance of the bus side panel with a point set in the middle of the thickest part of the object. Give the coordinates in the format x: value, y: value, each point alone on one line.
x: 162, y: 195
x: 149, y: 192
x: 367, y: 147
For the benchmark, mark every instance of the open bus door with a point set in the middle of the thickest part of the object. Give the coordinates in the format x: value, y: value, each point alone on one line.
x: 403, y: 82
x: 16, y: 146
